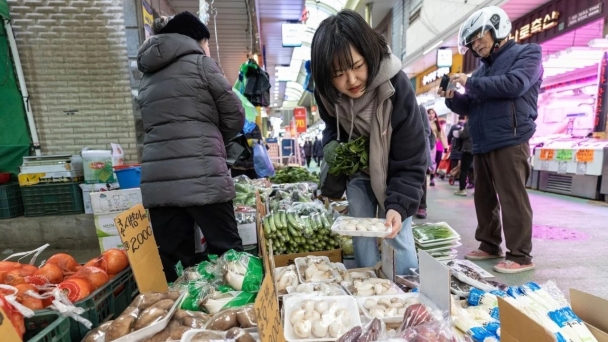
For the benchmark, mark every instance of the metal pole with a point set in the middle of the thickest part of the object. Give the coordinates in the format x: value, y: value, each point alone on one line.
x: 24, y: 93
x: 369, y: 13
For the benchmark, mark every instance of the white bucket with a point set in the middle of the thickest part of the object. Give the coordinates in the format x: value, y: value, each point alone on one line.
x: 97, y: 166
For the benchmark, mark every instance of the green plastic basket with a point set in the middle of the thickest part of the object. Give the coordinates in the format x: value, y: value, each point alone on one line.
x: 47, y: 326
x: 106, y: 303
x: 52, y: 199
x: 11, y: 202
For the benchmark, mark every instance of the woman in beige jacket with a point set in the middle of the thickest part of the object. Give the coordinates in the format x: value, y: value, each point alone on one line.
x: 441, y: 141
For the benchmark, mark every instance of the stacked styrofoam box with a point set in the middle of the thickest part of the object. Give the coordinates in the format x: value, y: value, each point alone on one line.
x: 106, y: 205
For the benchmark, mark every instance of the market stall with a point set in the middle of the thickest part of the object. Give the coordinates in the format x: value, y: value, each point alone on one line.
x: 292, y: 287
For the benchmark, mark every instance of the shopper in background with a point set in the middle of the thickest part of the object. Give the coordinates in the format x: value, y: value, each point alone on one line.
x: 501, y: 103
x: 317, y: 151
x: 466, y: 161
x: 308, y: 152
x: 189, y: 113
x: 361, y: 91
x: 421, y: 213
x: 246, y: 166
x: 441, y: 142
x: 454, y: 142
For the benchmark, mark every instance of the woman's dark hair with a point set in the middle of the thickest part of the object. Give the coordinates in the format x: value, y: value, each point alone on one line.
x: 332, y: 41
x: 428, y: 111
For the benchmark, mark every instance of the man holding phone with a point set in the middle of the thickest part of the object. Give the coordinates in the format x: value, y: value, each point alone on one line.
x: 501, y: 103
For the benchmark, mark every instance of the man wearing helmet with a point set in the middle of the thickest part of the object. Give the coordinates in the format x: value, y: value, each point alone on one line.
x: 501, y: 102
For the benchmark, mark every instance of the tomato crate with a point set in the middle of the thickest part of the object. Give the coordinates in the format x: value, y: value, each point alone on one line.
x: 11, y: 202
x: 52, y: 199
x: 105, y: 303
x: 47, y: 326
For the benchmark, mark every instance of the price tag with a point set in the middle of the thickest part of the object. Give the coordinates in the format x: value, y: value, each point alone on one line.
x: 581, y: 168
x: 544, y: 165
x: 266, y: 307
x: 562, y: 167
x: 584, y: 156
x: 136, y: 234
x: 564, y: 155
x: 546, y: 154
x: 7, y: 331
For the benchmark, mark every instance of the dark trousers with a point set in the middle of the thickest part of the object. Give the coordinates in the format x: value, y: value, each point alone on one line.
x: 438, y: 156
x: 423, y: 200
x: 173, y: 229
x: 465, y: 164
x: 249, y: 173
x: 308, y: 159
x: 500, y: 184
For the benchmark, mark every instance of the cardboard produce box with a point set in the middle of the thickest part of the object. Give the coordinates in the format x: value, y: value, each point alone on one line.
x: 516, y: 326
x: 115, y: 201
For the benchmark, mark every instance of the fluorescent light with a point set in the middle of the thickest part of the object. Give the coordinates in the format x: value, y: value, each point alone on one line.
x: 598, y: 43
x: 432, y: 47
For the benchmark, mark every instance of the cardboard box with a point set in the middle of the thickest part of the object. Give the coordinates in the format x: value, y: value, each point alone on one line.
x: 110, y: 242
x: 87, y: 189
x: 105, y: 226
x: 115, y: 201
x: 334, y: 255
x: 516, y: 326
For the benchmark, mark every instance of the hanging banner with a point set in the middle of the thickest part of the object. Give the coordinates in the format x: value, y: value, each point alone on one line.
x: 601, y: 109
x: 148, y: 18
x: 299, y: 115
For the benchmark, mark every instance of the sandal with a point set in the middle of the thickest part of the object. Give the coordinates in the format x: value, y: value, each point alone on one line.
x: 481, y: 255
x: 511, y: 267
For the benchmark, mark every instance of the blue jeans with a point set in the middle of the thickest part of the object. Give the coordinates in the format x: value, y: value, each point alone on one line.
x: 363, y: 203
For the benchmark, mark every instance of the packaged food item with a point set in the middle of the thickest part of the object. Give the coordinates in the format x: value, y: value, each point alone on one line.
x: 369, y: 227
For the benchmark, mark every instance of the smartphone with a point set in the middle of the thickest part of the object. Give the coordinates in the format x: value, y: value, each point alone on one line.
x: 445, y: 82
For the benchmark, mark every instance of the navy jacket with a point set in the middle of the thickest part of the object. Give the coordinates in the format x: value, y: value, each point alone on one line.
x: 501, y: 97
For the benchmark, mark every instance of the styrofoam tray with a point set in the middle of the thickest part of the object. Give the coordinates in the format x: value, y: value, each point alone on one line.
x: 154, y: 328
x: 396, y: 318
x: 335, y: 227
x: 188, y: 335
x: 455, y: 235
x: 349, y: 287
x: 302, y: 262
x: 475, y: 267
x: 441, y: 248
x: 475, y: 283
x: 344, y: 302
x: 443, y: 243
x: 316, y: 292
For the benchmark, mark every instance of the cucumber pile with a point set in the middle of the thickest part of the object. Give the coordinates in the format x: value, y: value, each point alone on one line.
x: 291, y: 233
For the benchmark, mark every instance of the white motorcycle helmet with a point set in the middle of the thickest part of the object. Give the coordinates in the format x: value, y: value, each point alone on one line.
x: 491, y: 18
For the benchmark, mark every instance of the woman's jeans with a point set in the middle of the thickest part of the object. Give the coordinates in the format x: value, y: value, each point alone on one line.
x: 363, y: 203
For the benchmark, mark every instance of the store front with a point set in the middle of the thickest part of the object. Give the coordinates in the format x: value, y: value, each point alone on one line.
x: 427, y: 84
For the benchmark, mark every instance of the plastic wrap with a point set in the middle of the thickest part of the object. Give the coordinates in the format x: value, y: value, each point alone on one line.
x: 319, y: 318
x: 307, y: 208
x: 316, y: 289
x: 243, y: 317
x: 242, y: 179
x: 98, y: 334
x: 218, y: 300
x: 389, y: 309
x: 372, y: 287
x: 369, y: 227
x: 14, y: 316
x: 370, y: 332
x: 242, y: 271
x: 245, y: 215
x: 433, y: 331
x: 315, y: 269
x: 286, y: 277
x: 235, y: 334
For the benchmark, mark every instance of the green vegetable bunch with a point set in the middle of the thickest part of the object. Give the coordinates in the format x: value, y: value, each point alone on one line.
x: 292, y: 233
x: 296, y: 174
x: 350, y: 157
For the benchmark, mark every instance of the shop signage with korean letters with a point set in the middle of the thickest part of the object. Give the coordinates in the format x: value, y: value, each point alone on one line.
x: 429, y: 78
x: 537, y: 25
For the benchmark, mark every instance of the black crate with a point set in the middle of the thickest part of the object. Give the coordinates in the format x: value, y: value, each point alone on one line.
x: 52, y: 199
x: 11, y: 202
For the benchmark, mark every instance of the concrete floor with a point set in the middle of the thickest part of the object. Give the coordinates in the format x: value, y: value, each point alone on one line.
x: 581, y: 263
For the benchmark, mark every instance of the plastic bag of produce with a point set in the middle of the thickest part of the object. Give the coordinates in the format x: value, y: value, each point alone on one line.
x: 261, y: 161
x: 370, y: 332
x: 234, y: 334
x: 197, y: 291
x: 316, y: 289
x: 238, y: 317
x: 218, y: 300
x: 439, y: 330
x: 98, y: 334
x: 14, y: 316
x: 242, y: 179
x: 286, y: 277
x: 312, y: 317
x: 242, y: 271
x: 307, y: 208
x: 352, y: 226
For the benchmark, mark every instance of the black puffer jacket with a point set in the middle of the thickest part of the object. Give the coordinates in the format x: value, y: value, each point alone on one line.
x: 189, y: 111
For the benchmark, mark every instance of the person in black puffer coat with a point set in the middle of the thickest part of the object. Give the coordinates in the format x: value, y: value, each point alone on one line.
x: 189, y: 112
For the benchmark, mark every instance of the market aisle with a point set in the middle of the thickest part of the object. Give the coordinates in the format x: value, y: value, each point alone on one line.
x: 570, y: 236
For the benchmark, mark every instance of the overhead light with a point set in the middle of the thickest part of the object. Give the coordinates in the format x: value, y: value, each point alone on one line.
x: 432, y: 47
x: 598, y: 43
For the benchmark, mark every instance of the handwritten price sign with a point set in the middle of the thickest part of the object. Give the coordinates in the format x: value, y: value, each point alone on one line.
x: 564, y: 155
x: 547, y: 154
x: 136, y: 234
x: 7, y: 331
x: 266, y: 309
x: 584, y: 156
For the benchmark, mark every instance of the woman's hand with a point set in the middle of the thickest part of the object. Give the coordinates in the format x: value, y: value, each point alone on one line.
x: 393, y: 220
